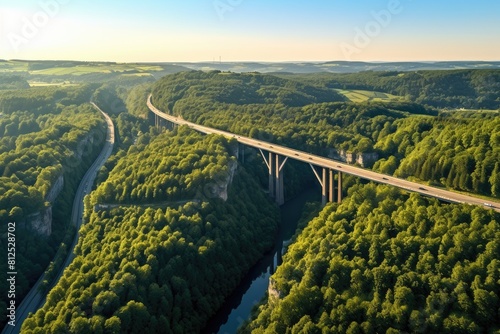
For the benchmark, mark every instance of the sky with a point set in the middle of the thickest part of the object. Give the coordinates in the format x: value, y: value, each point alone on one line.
x: 250, y: 30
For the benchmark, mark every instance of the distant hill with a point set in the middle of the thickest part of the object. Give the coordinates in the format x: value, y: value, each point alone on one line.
x: 36, y: 67
x: 338, y: 66
x: 438, y: 88
x: 46, y: 73
x: 218, y: 88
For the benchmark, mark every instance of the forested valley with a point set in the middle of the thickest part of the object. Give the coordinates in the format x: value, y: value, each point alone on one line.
x: 165, y: 261
x: 458, y: 150
x: 469, y: 89
x: 175, y: 220
x: 383, y: 262
x: 48, y: 138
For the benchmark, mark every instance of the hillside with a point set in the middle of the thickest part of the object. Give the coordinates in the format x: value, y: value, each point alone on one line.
x: 168, y: 269
x: 48, y: 138
x: 381, y: 262
x: 443, y: 89
x: 454, y: 149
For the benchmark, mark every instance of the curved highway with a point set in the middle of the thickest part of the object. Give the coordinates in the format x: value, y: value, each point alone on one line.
x: 316, y: 160
x: 35, y: 298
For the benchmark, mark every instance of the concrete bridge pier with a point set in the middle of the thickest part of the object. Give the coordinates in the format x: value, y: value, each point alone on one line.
x: 270, y: 168
x: 339, y: 187
x: 241, y: 153
x: 275, y: 165
x: 271, y: 175
x: 326, y: 180
x: 280, y: 188
x: 330, y: 185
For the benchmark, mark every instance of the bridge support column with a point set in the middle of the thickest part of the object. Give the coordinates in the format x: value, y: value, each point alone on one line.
x: 330, y: 186
x: 339, y: 196
x: 326, y: 182
x: 271, y: 175
x: 241, y: 151
x: 275, y: 167
x: 270, y: 168
x: 280, y: 191
x: 324, y: 190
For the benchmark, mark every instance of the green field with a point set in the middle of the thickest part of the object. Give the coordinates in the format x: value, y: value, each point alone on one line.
x: 358, y: 96
x: 98, y: 68
x: 39, y: 69
x: 47, y: 84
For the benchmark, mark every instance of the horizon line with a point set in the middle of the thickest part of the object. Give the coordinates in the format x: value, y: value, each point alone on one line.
x: 255, y: 61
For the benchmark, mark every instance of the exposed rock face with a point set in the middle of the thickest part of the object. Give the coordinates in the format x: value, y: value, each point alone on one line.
x: 363, y: 159
x: 41, y: 222
x: 84, y: 146
x: 367, y: 159
x: 223, y: 186
x: 274, y: 293
x: 55, y: 190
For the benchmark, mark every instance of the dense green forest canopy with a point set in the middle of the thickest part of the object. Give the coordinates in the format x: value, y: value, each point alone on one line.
x: 41, y: 133
x: 140, y: 269
x: 241, y: 89
x: 172, y: 227
x: 41, y: 100
x: 12, y: 82
x: 308, y: 119
x: 451, y: 89
x: 45, y: 134
x: 459, y: 150
x: 161, y: 174
x: 381, y: 262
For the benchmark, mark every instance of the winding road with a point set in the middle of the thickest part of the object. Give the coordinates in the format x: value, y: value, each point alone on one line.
x: 35, y: 298
x: 442, y: 194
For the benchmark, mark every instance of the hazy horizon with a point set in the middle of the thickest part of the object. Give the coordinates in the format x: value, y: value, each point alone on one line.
x: 180, y: 62
x: 249, y: 31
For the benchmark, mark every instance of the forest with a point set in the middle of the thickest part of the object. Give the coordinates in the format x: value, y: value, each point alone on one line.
x: 470, y: 89
x: 46, y: 135
x: 383, y: 262
x: 156, y: 266
x: 458, y: 150
x: 175, y: 221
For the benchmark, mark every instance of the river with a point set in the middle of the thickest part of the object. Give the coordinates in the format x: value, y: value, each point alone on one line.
x: 254, y: 285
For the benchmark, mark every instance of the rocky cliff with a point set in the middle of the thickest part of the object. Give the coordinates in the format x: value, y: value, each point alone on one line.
x: 55, y: 190
x: 226, y: 180
x: 41, y: 222
x: 363, y: 159
x: 273, y: 292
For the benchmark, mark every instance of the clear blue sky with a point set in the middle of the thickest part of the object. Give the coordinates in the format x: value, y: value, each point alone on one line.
x: 250, y: 30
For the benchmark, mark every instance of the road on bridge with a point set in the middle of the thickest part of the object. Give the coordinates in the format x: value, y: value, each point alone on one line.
x: 444, y: 195
x: 35, y: 298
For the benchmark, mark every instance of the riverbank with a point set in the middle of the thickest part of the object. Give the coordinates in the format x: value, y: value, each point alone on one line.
x: 253, y: 287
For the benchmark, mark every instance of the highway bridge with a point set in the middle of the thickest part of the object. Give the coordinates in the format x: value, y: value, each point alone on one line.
x: 278, y: 155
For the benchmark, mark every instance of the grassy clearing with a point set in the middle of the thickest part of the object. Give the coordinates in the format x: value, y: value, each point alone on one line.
x: 358, y: 96
x: 98, y: 68
x: 50, y: 84
x: 463, y: 110
x: 76, y: 70
x: 136, y: 75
